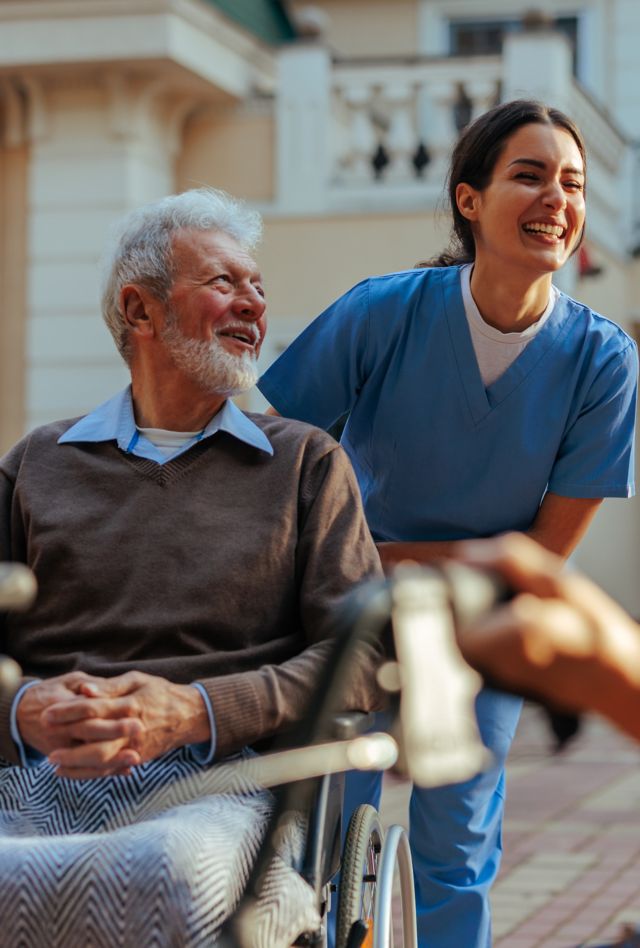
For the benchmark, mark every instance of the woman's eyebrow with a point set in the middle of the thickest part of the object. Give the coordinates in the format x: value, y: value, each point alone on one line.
x: 536, y: 163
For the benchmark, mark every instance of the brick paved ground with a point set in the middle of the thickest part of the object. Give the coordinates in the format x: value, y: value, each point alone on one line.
x: 571, y: 868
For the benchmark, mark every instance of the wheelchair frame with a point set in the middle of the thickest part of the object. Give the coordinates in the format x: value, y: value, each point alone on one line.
x: 370, y: 857
x: 448, y: 595
x: 365, y: 896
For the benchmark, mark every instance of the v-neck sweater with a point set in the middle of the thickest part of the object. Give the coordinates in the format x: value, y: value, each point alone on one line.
x: 223, y: 566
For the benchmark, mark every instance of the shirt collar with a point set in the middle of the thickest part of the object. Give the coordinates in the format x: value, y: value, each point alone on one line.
x: 114, y: 421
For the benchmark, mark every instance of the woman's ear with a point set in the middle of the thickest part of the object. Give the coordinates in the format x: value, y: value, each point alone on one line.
x: 468, y: 200
x: 136, y: 307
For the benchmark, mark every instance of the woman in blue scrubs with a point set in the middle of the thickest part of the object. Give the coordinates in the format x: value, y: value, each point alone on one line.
x: 480, y: 399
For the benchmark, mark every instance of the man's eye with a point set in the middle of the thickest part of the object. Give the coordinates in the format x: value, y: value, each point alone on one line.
x: 222, y: 278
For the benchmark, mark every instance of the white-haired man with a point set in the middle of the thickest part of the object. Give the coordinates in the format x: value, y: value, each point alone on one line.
x: 189, y: 558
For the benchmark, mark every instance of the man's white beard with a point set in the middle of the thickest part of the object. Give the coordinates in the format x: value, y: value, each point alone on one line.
x: 209, y: 364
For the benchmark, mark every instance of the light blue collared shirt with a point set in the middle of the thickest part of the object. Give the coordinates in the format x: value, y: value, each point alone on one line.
x: 114, y: 421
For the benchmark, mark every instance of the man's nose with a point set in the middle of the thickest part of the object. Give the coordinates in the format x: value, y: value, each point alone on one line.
x: 249, y: 302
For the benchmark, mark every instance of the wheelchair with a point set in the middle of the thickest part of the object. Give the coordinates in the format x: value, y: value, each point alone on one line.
x: 437, y: 744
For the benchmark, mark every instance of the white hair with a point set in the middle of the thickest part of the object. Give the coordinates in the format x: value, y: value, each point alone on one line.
x: 142, y: 249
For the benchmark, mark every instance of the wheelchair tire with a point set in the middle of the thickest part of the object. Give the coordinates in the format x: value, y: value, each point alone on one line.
x: 358, y: 876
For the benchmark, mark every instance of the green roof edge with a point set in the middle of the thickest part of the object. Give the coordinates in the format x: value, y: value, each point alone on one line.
x: 266, y: 19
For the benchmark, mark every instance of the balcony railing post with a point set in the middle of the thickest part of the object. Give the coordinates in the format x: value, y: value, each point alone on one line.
x: 362, y: 138
x: 482, y: 95
x: 443, y: 132
x: 537, y: 64
x: 303, y: 127
x: 402, y: 137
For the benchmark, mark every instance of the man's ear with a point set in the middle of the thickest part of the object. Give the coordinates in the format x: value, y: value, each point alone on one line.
x: 468, y: 201
x: 136, y: 305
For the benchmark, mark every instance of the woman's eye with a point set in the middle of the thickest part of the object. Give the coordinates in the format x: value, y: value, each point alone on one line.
x: 574, y: 185
x: 527, y: 176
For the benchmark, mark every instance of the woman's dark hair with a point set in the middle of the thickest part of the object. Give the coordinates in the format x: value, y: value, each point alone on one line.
x: 474, y: 159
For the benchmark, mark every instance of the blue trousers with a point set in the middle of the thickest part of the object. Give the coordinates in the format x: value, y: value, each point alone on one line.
x: 456, y: 836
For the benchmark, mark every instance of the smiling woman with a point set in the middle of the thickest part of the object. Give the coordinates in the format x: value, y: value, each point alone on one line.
x: 526, y: 221
x: 530, y: 217
x: 480, y: 399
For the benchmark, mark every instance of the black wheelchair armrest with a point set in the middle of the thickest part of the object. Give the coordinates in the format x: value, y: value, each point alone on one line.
x: 349, y: 724
x: 321, y: 859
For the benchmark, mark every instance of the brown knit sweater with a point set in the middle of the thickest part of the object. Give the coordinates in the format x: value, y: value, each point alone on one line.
x: 222, y: 566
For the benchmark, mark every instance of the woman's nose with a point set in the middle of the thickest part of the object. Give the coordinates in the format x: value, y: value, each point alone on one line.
x: 555, y: 195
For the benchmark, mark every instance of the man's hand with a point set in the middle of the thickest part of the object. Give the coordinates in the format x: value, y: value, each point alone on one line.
x: 157, y: 716
x: 47, y: 735
x: 561, y: 638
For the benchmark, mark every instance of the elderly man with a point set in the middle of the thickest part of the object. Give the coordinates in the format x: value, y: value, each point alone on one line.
x: 189, y: 557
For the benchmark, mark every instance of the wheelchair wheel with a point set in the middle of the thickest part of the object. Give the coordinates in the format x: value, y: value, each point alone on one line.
x: 358, y: 879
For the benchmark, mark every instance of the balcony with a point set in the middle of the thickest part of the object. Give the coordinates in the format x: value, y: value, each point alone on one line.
x: 369, y: 136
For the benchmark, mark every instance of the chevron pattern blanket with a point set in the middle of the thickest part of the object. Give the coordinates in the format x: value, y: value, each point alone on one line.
x: 158, y: 859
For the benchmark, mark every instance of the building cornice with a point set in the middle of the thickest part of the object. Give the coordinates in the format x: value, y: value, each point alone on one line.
x: 190, y: 33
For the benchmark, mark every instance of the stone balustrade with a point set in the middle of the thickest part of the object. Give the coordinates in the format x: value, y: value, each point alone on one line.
x: 395, y: 122
x: 612, y: 188
x: 378, y: 133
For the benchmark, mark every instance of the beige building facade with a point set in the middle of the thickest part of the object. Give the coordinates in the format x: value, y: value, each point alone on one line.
x: 339, y: 135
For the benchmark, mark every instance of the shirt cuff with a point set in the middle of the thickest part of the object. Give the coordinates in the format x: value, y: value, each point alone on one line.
x: 29, y: 756
x: 205, y: 750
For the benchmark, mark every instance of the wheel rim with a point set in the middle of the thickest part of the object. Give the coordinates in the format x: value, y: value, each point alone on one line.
x: 369, y: 880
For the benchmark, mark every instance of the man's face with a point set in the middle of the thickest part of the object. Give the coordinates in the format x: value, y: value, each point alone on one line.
x: 215, y: 313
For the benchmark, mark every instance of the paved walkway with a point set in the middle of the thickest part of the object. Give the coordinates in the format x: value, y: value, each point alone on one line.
x: 571, y: 868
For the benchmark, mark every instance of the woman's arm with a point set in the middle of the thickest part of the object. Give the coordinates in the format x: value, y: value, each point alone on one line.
x: 560, y: 524
x: 423, y: 552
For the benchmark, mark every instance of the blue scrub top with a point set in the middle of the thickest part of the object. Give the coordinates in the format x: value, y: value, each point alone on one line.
x: 438, y: 456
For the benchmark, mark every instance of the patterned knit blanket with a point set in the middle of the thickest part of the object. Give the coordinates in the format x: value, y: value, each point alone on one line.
x: 156, y: 859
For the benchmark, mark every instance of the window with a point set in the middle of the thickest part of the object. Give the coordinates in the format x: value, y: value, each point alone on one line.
x: 484, y: 37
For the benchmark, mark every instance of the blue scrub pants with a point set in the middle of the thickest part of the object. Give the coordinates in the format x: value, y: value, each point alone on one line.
x: 456, y: 836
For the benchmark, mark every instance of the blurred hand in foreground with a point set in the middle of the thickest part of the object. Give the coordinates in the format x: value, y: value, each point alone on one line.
x: 560, y: 638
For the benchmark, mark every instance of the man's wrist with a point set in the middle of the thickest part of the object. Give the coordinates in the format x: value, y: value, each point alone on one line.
x: 29, y: 756
x: 205, y: 750
x: 194, y: 719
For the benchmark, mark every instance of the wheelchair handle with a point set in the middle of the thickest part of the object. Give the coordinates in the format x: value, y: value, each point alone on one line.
x: 475, y: 592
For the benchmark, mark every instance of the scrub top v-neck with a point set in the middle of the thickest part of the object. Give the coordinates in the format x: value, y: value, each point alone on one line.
x: 481, y: 399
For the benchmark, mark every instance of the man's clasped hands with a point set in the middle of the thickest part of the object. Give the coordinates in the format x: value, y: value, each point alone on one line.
x: 96, y: 727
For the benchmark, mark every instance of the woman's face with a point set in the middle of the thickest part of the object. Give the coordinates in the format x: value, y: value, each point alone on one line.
x: 532, y: 212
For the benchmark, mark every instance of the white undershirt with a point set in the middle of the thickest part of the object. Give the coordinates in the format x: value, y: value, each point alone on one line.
x: 496, y: 350
x: 168, y: 442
